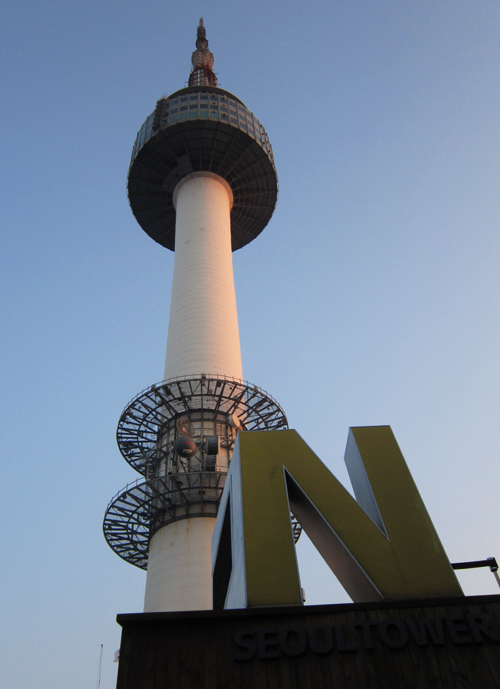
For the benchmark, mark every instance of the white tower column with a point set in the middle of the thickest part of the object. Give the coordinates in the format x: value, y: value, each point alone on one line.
x: 203, y: 334
x: 203, y: 337
x: 179, y: 433
x: 179, y: 567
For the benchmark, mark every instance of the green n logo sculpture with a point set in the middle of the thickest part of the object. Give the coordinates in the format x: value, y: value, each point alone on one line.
x: 381, y: 545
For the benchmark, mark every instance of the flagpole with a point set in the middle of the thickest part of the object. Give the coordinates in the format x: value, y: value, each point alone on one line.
x: 100, y: 665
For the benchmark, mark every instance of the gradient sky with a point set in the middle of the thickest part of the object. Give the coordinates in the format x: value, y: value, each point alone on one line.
x: 371, y: 298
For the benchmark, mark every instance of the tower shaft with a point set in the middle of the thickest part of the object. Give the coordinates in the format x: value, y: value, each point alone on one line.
x: 202, y: 181
x: 203, y: 338
x: 203, y: 334
x: 180, y: 567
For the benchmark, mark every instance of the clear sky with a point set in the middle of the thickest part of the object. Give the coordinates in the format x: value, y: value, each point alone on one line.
x: 371, y: 298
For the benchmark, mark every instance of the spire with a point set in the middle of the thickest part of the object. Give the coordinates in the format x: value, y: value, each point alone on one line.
x: 202, y: 60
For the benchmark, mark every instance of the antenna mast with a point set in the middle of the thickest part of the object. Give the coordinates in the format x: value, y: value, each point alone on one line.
x: 100, y: 666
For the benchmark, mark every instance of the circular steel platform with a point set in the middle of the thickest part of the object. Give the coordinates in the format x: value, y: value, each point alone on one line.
x: 145, y: 417
x: 140, y: 509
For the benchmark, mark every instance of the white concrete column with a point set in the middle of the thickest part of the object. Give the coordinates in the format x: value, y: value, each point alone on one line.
x: 203, y: 334
x: 203, y: 337
x: 180, y: 567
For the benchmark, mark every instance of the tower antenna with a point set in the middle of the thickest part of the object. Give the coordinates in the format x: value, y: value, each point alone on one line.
x: 202, y: 61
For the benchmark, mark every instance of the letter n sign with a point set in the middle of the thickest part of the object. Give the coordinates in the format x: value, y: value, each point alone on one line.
x: 381, y: 546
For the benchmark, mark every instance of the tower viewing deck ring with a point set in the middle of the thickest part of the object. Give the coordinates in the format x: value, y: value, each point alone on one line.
x: 140, y: 509
x: 151, y: 410
x: 202, y: 128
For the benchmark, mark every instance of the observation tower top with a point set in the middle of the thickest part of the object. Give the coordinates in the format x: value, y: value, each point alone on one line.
x: 202, y: 128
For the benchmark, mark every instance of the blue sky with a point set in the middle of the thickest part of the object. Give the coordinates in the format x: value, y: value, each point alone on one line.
x: 371, y: 298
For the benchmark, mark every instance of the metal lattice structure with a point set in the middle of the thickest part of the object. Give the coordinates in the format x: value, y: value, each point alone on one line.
x: 175, y: 488
x: 160, y: 405
x: 143, y: 507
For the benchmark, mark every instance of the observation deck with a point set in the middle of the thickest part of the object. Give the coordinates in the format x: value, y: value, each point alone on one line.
x: 202, y: 128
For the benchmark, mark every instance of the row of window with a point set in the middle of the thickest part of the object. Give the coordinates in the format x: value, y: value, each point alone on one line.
x: 143, y: 134
x: 213, y: 97
x: 175, y: 115
x: 244, y: 115
x: 201, y: 106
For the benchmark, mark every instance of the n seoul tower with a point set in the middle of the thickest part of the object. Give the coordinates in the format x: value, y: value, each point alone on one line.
x: 202, y: 182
